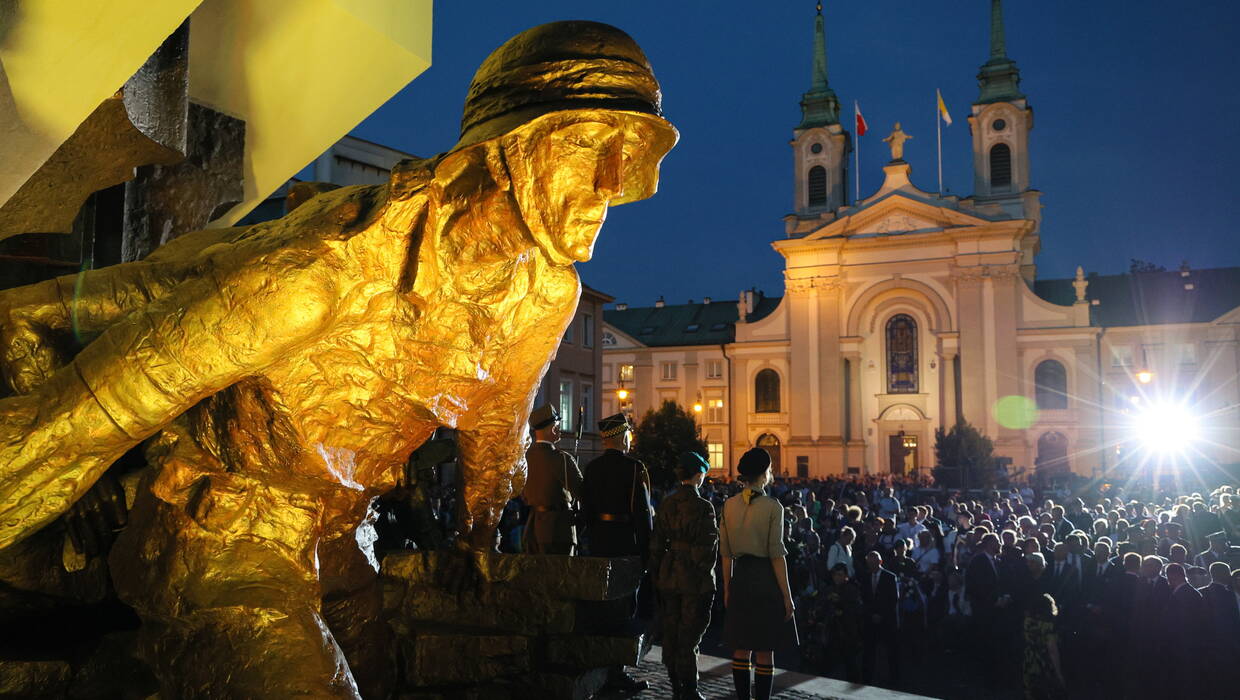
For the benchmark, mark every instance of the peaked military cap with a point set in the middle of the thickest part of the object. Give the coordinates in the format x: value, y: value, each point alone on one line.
x: 543, y: 416
x: 614, y: 425
x: 691, y: 464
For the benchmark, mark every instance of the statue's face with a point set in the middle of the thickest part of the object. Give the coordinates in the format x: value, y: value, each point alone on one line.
x: 575, y: 170
x: 578, y: 171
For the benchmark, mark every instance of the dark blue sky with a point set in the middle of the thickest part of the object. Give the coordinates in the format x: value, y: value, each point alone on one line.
x: 1136, y: 141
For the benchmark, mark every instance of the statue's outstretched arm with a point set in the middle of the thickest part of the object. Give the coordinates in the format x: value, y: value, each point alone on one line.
x: 142, y: 372
x: 41, y: 324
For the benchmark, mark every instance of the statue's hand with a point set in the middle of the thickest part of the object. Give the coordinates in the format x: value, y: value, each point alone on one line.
x: 92, y: 522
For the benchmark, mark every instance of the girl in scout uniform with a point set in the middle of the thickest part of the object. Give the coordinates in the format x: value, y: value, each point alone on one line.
x: 756, y: 595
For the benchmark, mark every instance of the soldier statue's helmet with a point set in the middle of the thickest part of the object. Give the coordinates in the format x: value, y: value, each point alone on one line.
x: 690, y: 465
x: 569, y: 66
x: 544, y: 416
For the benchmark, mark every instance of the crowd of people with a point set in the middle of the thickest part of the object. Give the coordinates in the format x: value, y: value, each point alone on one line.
x: 1099, y: 592
x: 1077, y: 590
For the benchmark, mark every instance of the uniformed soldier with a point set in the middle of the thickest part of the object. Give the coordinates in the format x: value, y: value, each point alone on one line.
x: 682, y: 562
x: 615, y: 501
x: 552, y: 487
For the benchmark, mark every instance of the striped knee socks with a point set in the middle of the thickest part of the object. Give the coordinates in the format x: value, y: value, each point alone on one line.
x: 740, y: 677
x: 764, y: 678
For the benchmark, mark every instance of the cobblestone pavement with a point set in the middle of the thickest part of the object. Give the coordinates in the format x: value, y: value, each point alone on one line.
x: 715, y: 687
x: 716, y: 684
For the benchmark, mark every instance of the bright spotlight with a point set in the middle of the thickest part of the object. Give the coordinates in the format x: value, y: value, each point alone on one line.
x: 1145, y: 376
x: 1166, y: 428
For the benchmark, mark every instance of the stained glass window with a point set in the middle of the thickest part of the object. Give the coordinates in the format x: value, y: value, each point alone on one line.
x: 901, y: 355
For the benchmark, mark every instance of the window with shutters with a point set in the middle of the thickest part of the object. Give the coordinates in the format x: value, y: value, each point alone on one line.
x: 817, y: 186
x: 1000, y: 166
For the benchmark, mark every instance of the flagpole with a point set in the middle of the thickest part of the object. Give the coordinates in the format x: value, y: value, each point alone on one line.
x: 856, y: 153
x: 938, y: 123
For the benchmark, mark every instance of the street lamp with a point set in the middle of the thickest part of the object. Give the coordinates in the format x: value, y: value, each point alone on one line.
x: 622, y: 393
x: 1145, y: 376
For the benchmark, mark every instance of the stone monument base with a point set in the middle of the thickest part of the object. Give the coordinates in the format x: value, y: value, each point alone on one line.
x: 538, y: 626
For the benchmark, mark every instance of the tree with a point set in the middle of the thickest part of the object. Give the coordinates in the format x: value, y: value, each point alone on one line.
x: 1135, y: 266
x: 965, y: 457
x: 660, y: 438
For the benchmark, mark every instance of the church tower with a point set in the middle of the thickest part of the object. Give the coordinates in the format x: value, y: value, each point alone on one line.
x: 1000, y: 123
x: 820, y: 146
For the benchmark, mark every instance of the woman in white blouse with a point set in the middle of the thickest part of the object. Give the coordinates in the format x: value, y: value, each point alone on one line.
x: 841, y: 551
x: 756, y: 594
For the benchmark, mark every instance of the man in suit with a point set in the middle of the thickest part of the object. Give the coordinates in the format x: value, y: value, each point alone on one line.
x: 1148, y: 642
x: 1063, y: 579
x: 615, y: 500
x: 1222, y: 604
x: 982, y: 578
x: 1183, y: 625
x: 880, y: 597
x: 551, y: 488
x: 982, y: 588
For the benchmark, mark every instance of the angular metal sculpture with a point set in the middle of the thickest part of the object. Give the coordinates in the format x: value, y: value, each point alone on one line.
x: 282, y: 373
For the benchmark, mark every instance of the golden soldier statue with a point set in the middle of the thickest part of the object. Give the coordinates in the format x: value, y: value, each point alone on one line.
x: 282, y: 373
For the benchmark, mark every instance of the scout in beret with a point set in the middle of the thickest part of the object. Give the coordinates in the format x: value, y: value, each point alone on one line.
x: 682, y: 565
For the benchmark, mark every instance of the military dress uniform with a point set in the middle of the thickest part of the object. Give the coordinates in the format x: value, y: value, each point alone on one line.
x: 615, y: 499
x: 682, y: 562
x: 552, y: 486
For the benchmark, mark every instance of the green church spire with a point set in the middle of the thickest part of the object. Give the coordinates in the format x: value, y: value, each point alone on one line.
x: 999, y: 78
x: 819, y: 106
x: 998, y: 43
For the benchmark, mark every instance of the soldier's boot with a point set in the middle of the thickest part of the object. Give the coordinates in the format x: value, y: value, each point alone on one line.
x: 689, y: 690
x: 675, y: 680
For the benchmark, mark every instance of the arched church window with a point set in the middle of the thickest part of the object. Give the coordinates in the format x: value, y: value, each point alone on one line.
x: 1050, y: 381
x: 817, y: 186
x: 766, y: 391
x: 901, y: 355
x: 1000, y: 165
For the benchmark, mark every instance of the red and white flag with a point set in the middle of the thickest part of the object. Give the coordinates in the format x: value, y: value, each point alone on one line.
x: 862, y: 127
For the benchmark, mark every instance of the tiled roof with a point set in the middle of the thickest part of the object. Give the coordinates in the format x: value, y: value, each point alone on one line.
x: 685, y: 324
x: 1152, y: 298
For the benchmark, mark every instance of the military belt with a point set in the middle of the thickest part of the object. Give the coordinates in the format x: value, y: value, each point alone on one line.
x: 614, y: 517
x: 548, y: 509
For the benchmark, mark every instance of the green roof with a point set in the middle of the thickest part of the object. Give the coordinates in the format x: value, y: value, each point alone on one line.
x: 685, y: 324
x: 1152, y: 298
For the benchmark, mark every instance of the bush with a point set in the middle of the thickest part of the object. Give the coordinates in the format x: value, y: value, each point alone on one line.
x: 964, y: 458
x: 660, y: 438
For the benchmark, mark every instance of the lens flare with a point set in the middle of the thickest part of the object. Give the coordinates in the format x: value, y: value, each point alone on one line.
x: 1166, y: 428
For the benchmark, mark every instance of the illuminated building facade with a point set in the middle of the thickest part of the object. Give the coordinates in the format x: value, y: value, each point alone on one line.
x: 907, y: 311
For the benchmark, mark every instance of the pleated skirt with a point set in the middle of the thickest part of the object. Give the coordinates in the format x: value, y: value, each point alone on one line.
x: 754, y: 619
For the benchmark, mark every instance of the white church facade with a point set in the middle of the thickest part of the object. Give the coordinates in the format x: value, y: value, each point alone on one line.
x: 908, y: 311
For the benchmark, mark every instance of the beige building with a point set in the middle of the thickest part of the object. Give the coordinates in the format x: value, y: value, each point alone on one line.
x: 907, y: 311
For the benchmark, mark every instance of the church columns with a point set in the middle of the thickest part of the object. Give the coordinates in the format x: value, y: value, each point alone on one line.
x: 831, y: 366
x: 947, y: 389
x: 1001, y: 305
x: 973, y: 332
x: 854, y: 431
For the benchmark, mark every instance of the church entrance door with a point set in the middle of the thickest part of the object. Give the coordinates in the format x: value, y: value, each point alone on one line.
x: 902, y: 449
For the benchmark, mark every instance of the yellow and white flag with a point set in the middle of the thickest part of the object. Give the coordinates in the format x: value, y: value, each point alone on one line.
x: 943, y: 108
